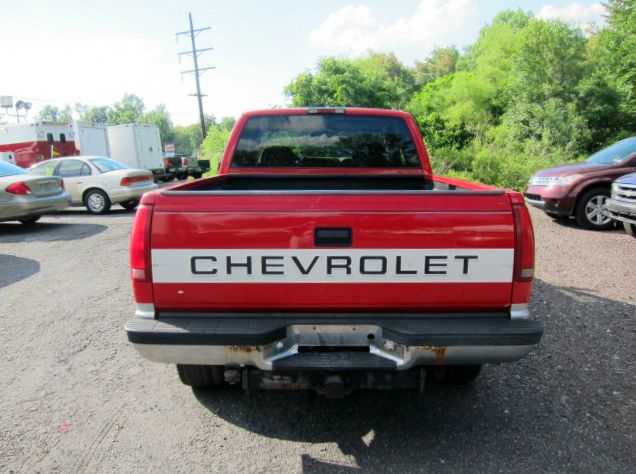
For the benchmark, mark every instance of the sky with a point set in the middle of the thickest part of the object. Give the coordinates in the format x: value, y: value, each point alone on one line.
x: 89, y: 51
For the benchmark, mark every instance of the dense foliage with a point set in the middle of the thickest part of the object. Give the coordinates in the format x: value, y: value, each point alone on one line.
x: 215, y: 141
x: 528, y: 94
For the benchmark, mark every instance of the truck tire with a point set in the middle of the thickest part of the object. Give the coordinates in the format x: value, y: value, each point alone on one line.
x: 129, y: 205
x: 630, y: 229
x: 199, y: 376
x: 454, y: 374
x: 29, y: 221
x: 197, y: 175
x: 97, y: 202
x: 588, y: 211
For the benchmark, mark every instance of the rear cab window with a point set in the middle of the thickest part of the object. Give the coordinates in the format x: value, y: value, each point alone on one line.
x: 330, y: 140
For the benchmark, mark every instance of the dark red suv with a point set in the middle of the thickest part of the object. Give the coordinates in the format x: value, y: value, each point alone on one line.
x: 580, y: 190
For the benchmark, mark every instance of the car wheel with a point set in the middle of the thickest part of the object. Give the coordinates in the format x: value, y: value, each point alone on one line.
x: 29, y: 220
x: 454, y: 374
x: 97, y: 202
x: 130, y: 205
x: 630, y: 228
x: 201, y: 375
x: 589, y: 210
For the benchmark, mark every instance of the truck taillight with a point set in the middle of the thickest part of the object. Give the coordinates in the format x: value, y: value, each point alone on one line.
x: 524, y: 240
x: 140, y: 245
x: 185, y: 162
x: 19, y: 187
x: 166, y: 162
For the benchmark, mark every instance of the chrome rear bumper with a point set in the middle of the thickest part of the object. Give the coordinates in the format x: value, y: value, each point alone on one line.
x: 387, y: 342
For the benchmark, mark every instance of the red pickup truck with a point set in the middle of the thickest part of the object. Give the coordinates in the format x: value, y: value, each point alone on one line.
x: 327, y: 255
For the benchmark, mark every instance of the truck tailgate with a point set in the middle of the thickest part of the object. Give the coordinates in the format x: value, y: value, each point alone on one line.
x: 331, y: 252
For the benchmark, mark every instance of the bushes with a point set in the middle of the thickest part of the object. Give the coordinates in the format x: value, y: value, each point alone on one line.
x: 492, y: 164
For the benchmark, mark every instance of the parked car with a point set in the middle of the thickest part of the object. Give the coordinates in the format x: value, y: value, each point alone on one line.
x: 24, y: 197
x: 622, y: 204
x: 580, y: 190
x: 98, y: 182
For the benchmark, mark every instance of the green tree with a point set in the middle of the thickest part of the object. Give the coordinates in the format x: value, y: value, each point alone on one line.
x: 376, y: 80
x: 615, y: 52
x: 92, y: 114
x: 527, y: 94
x: 227, y: 123
x: 214, y: 145
x: 187, y: 139
x: 441, y: 62
x: 129, y: 110
x: 55, y: 114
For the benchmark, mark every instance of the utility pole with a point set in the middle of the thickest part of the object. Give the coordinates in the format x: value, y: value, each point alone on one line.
x: 197, y: 71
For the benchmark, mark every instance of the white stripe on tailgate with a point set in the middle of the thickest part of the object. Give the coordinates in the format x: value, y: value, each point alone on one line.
x: 332, y: 265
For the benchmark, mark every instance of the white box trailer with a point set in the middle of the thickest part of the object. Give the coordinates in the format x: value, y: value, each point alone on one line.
x: 91, y: 139
x: 138, y: 146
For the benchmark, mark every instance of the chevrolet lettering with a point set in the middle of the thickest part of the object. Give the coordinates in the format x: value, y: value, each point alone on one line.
x: 326, y: 255
x: 384, y: 266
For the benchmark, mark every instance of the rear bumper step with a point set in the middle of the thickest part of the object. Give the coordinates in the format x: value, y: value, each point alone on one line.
x: 408, y: 329
x: 276, y: 342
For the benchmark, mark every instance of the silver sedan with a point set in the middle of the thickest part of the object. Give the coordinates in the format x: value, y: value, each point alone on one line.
x: 25, y: 197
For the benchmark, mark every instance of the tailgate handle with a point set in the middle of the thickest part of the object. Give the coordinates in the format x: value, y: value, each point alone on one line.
x: 333, y: 237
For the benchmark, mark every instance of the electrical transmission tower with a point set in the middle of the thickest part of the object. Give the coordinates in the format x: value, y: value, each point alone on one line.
x: 197, y: 71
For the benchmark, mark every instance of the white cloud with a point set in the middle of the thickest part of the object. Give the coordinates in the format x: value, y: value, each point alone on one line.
x: 355, y: 29
x: 575, y: 13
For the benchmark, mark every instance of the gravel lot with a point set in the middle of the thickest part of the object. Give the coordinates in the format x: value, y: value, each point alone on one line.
x: 76, y: 397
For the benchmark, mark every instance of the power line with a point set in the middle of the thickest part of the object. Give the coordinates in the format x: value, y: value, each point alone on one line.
x: 197, y: 71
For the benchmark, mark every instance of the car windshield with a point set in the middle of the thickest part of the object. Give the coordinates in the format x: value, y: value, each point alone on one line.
x: 104, y: 165
x: 345, y: 141
x: 615, y: 153
x: 7, y: 169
